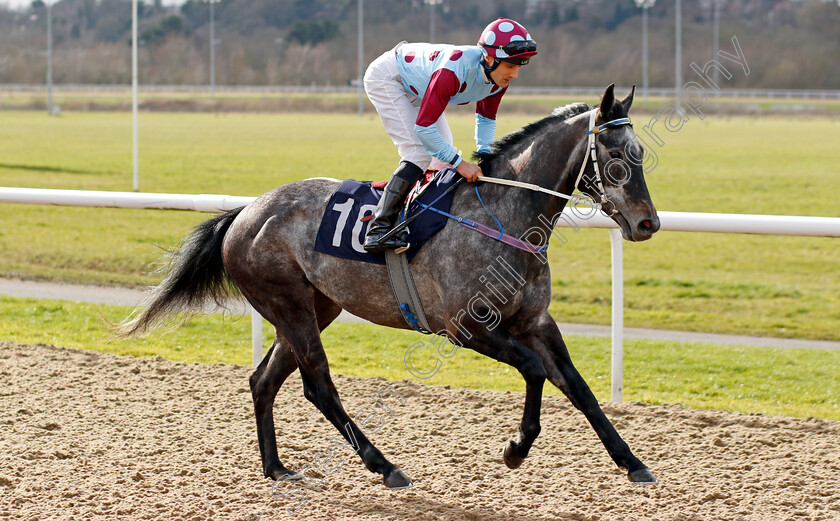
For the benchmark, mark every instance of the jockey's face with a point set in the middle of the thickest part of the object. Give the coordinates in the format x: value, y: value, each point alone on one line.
x: 504, y: 73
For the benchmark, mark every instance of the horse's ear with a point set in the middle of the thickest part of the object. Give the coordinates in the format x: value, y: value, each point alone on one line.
x: 607, y: 101
x: 626, y: 102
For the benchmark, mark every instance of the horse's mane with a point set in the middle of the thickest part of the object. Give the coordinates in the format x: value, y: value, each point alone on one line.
x: 528, y: 131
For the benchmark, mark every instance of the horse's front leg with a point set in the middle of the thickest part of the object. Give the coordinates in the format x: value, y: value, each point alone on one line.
x: 499, y: 344
x: 563, y: 374
x: 517, y: 449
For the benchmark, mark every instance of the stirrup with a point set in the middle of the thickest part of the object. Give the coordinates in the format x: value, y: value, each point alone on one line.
x: 375, y: 246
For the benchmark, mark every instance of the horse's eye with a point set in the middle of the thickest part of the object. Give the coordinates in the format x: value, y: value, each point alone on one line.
x: 615, y: 154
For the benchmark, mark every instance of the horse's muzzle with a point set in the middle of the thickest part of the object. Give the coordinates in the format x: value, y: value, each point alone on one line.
x: 637, y: 227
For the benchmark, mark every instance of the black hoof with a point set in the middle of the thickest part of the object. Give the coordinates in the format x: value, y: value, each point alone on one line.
x: 511, y: 460
x: 642, y: 475
x: 397, y: 479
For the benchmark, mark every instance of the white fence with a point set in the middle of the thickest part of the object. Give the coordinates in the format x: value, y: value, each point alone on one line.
x: 670, y: 221
x: 667, y: 92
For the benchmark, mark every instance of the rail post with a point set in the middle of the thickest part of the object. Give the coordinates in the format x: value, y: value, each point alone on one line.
x: 256, y: 337
x: 617, y: 372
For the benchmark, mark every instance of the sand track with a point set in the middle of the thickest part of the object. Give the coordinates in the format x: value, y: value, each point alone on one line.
x: 95, y: 436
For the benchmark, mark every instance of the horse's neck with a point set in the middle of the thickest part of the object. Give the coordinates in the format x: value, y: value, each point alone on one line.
x: 549, y: 161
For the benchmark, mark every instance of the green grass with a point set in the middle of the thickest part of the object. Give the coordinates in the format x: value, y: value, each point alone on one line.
x: 771, y: 286
x: 791, y: 382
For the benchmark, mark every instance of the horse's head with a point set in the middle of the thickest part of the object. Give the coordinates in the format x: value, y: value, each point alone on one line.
x: 622, y: 191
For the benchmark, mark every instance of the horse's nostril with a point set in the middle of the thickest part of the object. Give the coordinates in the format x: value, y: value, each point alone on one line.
x: 645, y: 225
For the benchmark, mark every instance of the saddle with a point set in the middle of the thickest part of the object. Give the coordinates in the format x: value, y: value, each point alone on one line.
x: 344, y: 225
x: 350, y: 208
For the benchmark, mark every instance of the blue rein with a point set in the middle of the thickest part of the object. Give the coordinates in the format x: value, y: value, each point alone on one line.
x: 501, y: 231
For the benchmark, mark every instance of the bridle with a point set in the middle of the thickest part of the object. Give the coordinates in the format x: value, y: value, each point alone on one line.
x: 592, y: 137
x: 499, y: 234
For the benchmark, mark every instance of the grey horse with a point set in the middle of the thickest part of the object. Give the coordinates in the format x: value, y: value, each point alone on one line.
x: 265, y: 250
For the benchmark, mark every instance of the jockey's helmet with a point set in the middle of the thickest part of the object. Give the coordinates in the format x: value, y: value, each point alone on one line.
x: 506, y: 40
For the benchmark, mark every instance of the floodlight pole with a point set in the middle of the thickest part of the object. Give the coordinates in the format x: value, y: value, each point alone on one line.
x: 134, y: 89
x: 432, y: 4
x: 432, y: 23
x: 361, y: 57
x: 678, y: 57
x: 212, y: 50
x: 49, y: 60
x: 716, y: 38
x: 644, y: 55
x: 645, y: 5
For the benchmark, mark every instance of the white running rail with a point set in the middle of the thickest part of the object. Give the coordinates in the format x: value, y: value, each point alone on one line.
x: 670, y: 221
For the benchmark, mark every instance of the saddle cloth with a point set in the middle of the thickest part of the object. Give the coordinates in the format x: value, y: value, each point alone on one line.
x: 346, y: 218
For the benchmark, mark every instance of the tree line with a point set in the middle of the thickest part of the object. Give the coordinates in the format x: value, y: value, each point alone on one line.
x: 788, y: 44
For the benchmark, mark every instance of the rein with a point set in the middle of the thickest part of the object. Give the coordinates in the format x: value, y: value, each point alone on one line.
x: 499, y: 234
x: 592, y: 139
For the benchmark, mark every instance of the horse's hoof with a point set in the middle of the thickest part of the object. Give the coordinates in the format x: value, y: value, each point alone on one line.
x: 397, y: 479
x: 642, y: 475
x: 511, y: 460
x: 286, y: 475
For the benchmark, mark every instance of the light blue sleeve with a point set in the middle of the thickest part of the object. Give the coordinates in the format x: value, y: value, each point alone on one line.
x: 485, y: 132
x: 436, y: 145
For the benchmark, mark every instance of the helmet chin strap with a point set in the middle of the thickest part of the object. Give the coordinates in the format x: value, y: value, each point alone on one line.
x: 490, y: 68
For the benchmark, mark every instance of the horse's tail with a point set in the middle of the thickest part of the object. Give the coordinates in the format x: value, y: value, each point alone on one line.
x: 195, y: 275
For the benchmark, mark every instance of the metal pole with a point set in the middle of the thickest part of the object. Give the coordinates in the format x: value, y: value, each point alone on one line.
x: 49, y: 60
x: 617, y: 315
x: 678, y: 57
x: 134, y: 90
x: 432, y: 22
x: 644, y: 5
x: 256, y: 337
x: 212, y: 51
x: 716, y: 38
x: 361, y: 57
x: 644, y: 55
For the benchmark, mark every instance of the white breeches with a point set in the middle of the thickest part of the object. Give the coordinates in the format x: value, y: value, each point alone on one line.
x: 398, y: 111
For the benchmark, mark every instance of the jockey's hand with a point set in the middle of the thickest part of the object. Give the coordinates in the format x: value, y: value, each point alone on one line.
x: 469, y: 170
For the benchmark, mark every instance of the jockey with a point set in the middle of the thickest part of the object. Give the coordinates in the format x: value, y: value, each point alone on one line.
x: 410, y: 87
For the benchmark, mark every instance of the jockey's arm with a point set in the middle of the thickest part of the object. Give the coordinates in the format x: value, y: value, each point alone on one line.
x: 485, y: 120
x: 442, y: 87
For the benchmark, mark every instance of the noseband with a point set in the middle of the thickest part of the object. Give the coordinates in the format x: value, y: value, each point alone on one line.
x: 592, y: 137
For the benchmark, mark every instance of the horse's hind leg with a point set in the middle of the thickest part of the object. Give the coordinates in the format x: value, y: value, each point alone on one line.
x: 266, y: 381
x: 295, y: 317
x: 319, y: 389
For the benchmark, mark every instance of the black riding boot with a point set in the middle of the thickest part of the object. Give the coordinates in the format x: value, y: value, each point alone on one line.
x: 389, y: 207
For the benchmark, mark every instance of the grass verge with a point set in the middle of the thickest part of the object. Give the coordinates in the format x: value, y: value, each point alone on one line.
x: 790, y: 382
x: 768, y: 286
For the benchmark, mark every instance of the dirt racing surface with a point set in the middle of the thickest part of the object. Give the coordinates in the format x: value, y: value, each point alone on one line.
x: 96, y: 436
